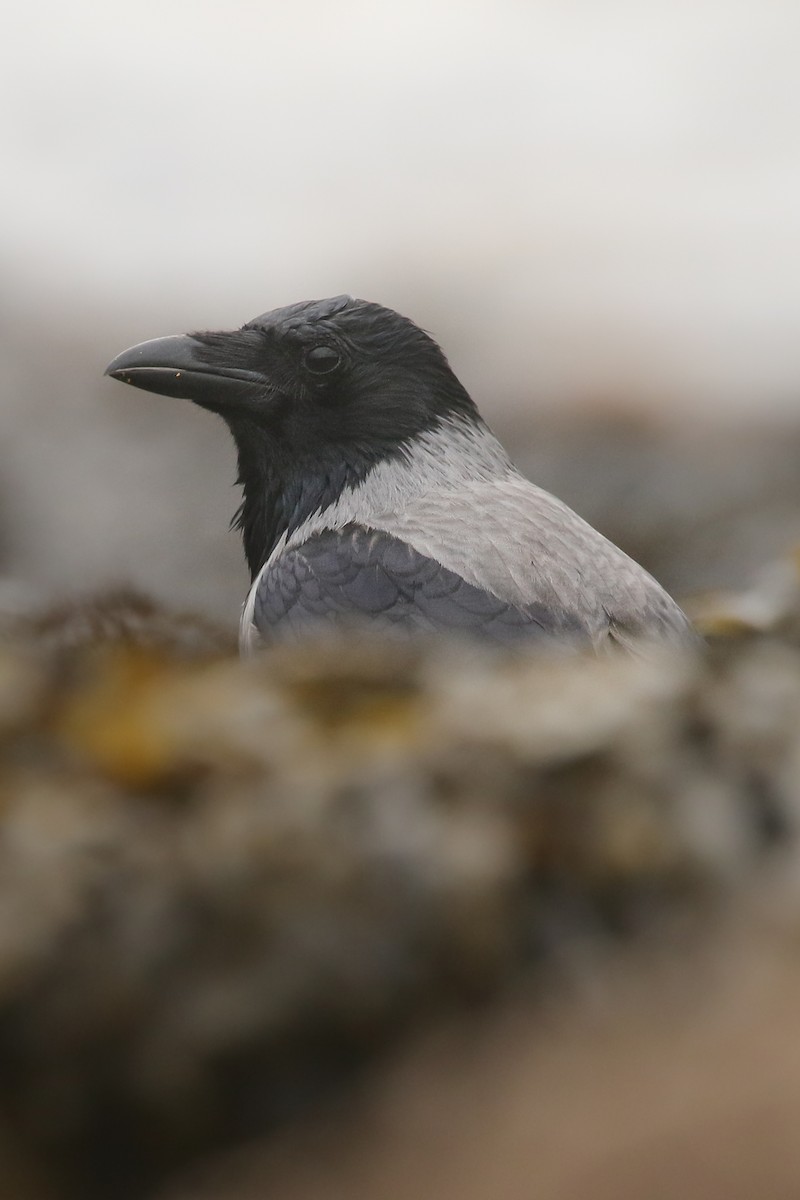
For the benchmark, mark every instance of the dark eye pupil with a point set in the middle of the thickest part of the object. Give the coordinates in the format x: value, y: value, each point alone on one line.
x: 322, y: 359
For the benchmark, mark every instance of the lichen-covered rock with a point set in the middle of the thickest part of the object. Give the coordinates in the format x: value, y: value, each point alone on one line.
x: 225, y: 886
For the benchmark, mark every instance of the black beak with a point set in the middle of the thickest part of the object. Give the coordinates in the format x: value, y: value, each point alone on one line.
x: 184, y: 367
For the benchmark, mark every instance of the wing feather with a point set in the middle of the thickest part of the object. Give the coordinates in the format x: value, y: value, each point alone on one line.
x: 340, y: 575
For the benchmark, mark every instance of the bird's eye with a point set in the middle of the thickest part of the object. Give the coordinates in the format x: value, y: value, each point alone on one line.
x: 321, y: 360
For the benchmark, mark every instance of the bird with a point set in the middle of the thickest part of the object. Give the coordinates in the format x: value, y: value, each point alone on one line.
x: 373, y: 490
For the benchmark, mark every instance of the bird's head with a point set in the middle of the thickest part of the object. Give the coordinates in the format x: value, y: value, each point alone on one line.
x: 315, y: 395
x: 340, y: 372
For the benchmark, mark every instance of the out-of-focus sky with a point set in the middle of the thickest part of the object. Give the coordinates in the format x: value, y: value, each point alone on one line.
x: 580, y: 193
x: 584, y: 201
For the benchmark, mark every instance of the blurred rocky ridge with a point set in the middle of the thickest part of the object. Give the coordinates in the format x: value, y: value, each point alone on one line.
x: 229, y: 890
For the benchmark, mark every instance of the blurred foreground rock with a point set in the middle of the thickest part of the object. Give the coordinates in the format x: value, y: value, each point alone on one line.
x: 661, y: 1078
x: 229, y: 893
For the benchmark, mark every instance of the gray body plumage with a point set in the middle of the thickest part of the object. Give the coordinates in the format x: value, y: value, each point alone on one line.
x: 486, y: 551
x: 373, y: 490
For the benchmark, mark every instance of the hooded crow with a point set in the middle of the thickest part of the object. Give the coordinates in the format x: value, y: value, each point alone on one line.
x: 373, y: 488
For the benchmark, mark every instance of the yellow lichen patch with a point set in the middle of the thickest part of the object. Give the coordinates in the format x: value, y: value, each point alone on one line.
x: 721, y: 624
x: 112, y: 717
x: 363, y: 693
x: 357, y: 705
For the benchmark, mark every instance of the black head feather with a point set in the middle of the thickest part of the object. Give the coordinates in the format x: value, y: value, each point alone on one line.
x: 347, y: 384
x: 315, y: 396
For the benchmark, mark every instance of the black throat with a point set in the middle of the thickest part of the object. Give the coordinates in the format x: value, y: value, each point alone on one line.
x: 280, y: 491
